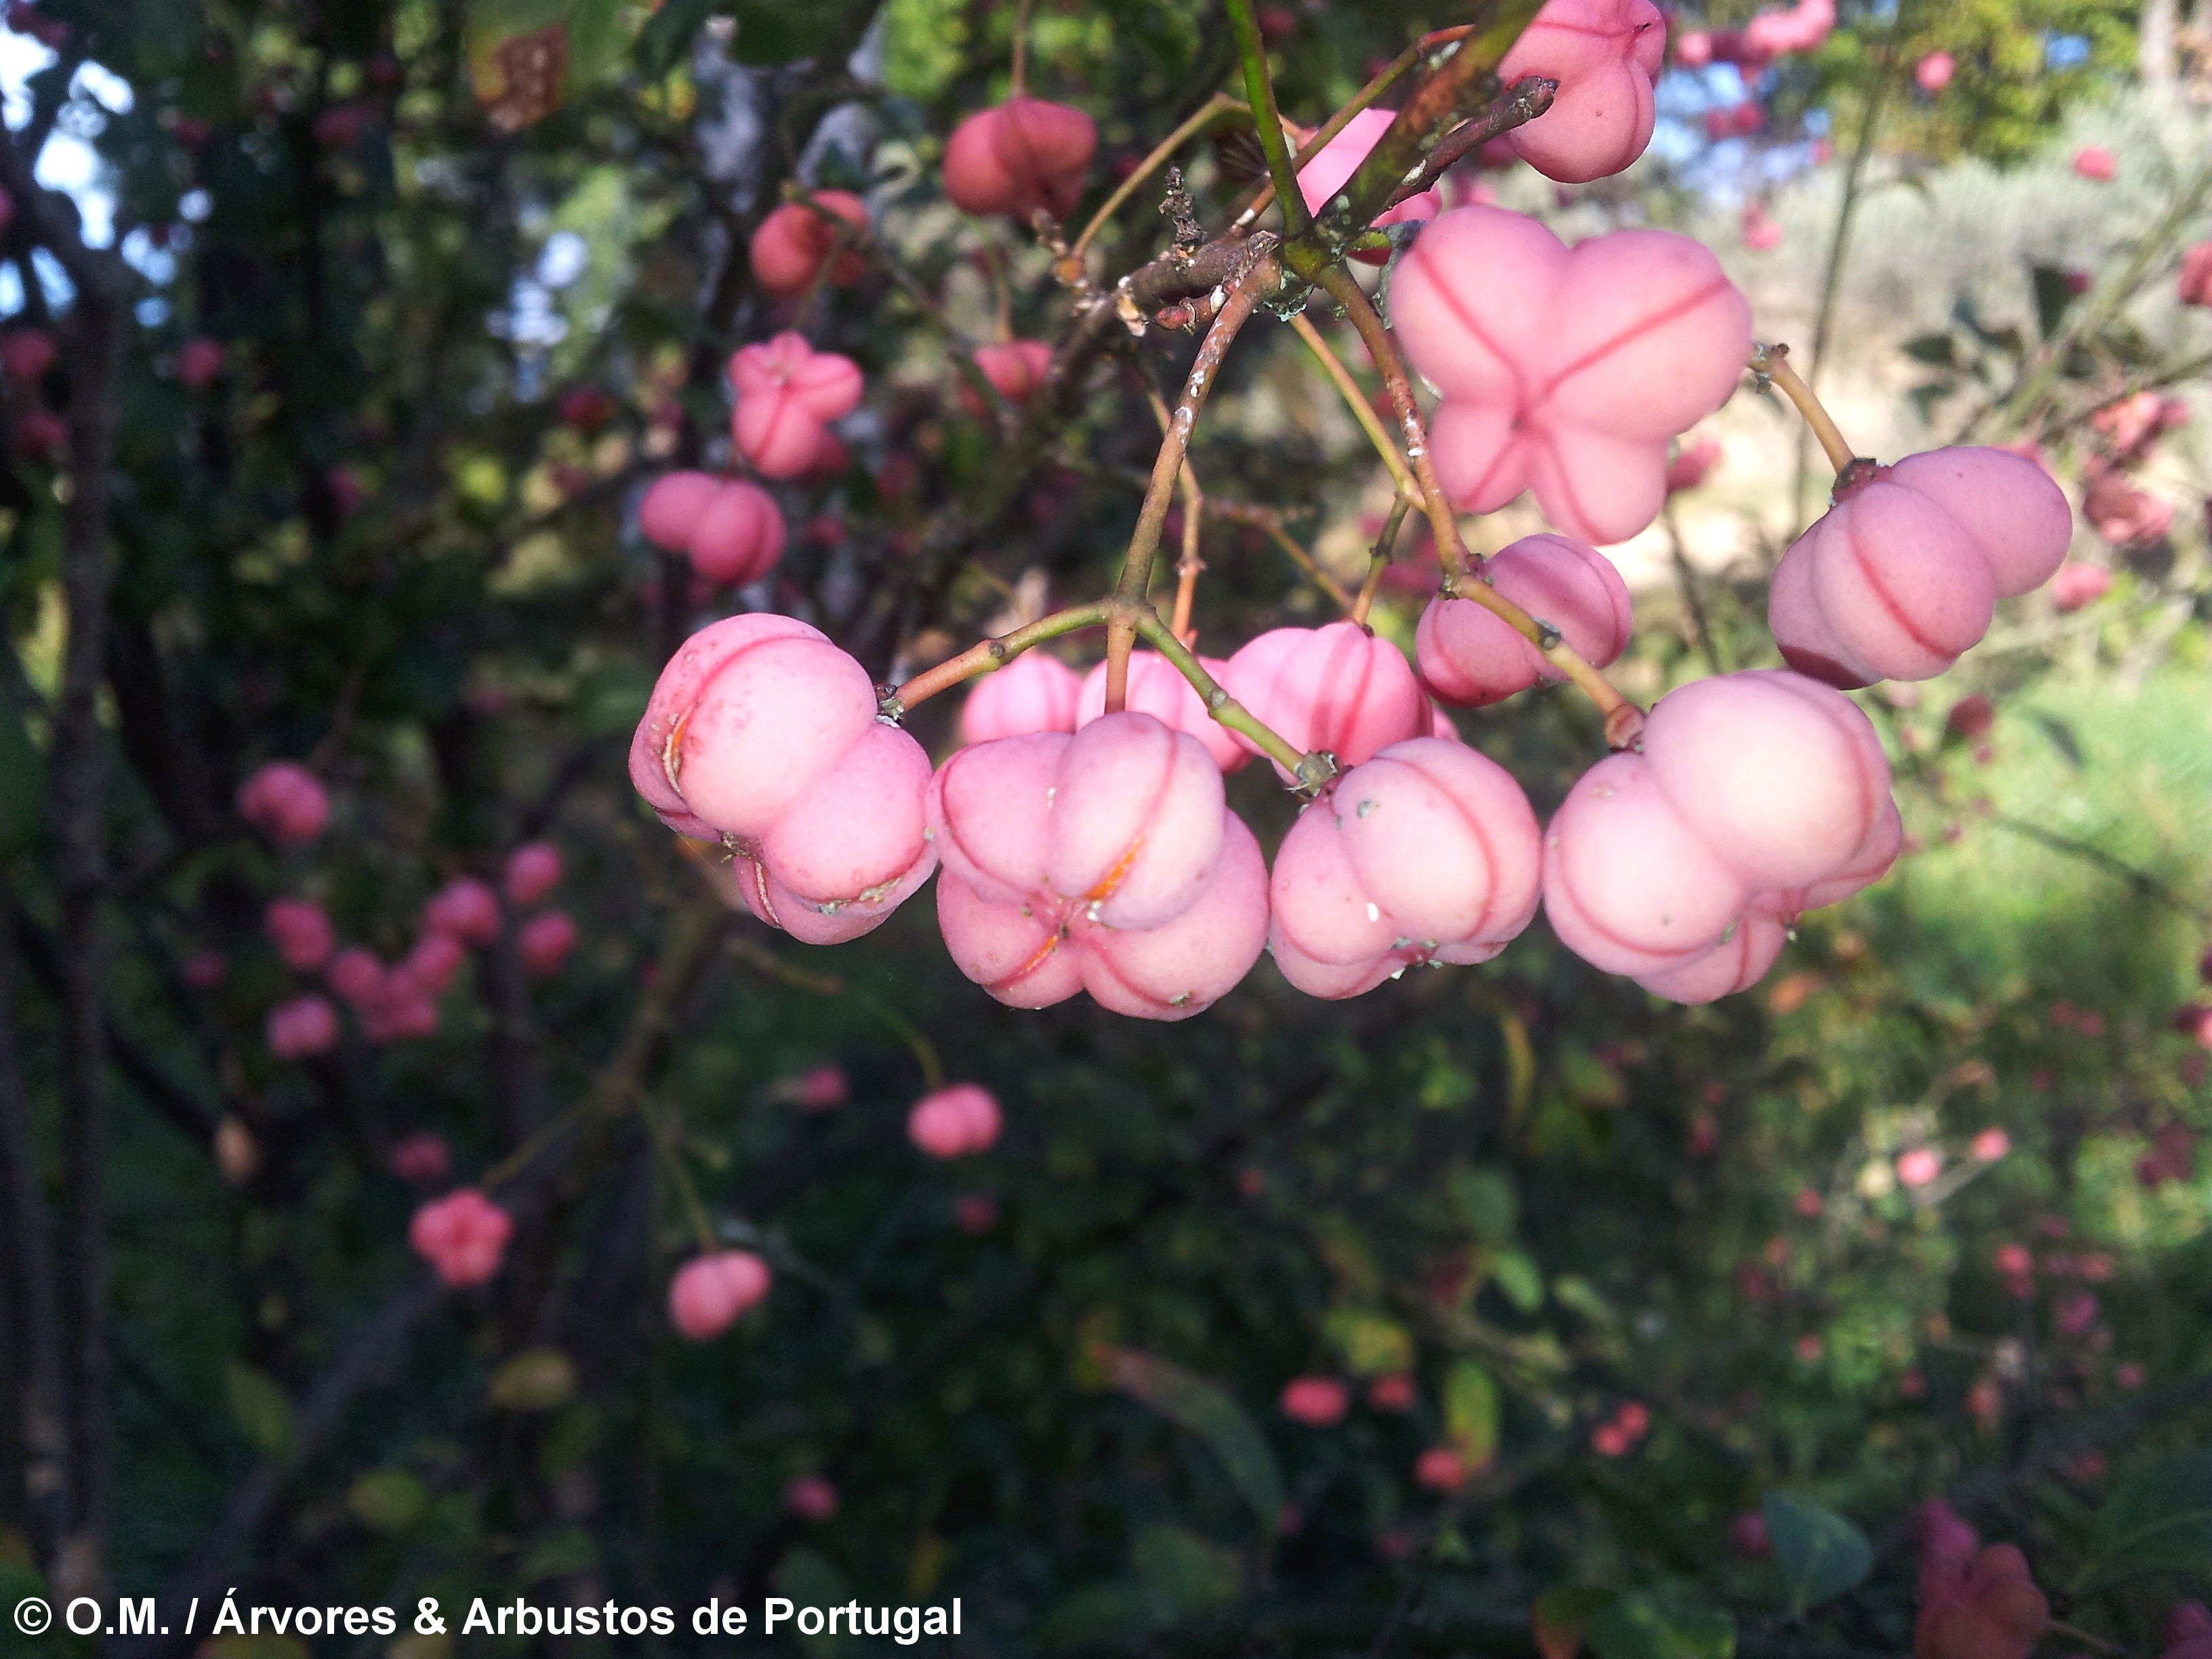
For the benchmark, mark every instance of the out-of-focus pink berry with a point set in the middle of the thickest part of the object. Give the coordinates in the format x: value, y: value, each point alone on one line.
x: 533, y: 869
x: 1747, y: 1535
x: 1989, y: 1145
x: 2188, y: 1632
x: 285, y: 802
x: 2196, y: 280
x: 39, y: 434
x: 465, y: 908
x: 1808, y: 1202
x: 26, y: 354
x: 2075, y: 1312
x: 708, y: 1292
x: 544, y: 942
x: 786, y: 394
x: 1393, y: 1392
x: 1610, y: 1440
x: 421, y: 1159
x: 205, y: 970
x: 1016, y: 369
x: 1316, y: 1402
x: 1761, y: 234
x: 2095, y: 163
x: 1470, y: 657
x: 199, y: 360
x: 1440, y: 1468
x: 2076, y: 585
x: 1918, y: 1167
x: 587, y: 409
x: 301, y: 932
x: 462, y: 1236
x: 1024, y: 154
x: 1692, y: 465
x: 975, y: 1213
x: 306, y: 1026
x: 794, y: 244
x: 1933, y: 73
x: 960, y: 1119
x: 436, y: 958
x: 809, y: 1498
x: 1974, y: 1603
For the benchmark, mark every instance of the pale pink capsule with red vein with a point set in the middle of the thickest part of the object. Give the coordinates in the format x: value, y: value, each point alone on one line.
x: 1035, y: 692
x: 1018, y: 948
x: 1739, y: 962
x: 1566, y: 372
x: 1780, y: 777
x: 1606, y: 55
x: 744, y: 720
x: 990, y: 815
x: 1868, y: 864
x: 860, y: 836
x: 708, y: 1293
x: 1158, y: 688
x: 1338, y: 688
x: 1136, y: 821
x: 1184, y: 966
x: 1902, y: 574
x: 1628, y: 886
x: 791, y: 248
x: 1470, y: 656
x: 786, y: 393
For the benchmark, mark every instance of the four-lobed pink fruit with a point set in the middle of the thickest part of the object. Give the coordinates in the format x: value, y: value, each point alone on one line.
x: 1158, y: 688
x: 1021, y: 156
x: 462, y: 1236
x: 1015, y: 369
x: 786, y: 395
x: 1975, y: 1603
x: 1566, y: 371
x: 1606, y: 55
x: 1469, y: 656
x: 957, y: 1120
x: 1338, y: 687
x: 731, y: 528
x: 1427, y: 853
x: 1903, y: 574
x: 708, y: 1293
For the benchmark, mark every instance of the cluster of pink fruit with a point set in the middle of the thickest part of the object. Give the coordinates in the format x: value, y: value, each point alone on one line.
x: 394, y: 1001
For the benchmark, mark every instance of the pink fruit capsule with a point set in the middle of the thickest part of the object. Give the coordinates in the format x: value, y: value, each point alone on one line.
x: 809, y: 1498
x: 1902, y: 574
x: 285, y: 802
x: 955, y: 1122
x: 1019, y: 949
x: 708, y: 1292
x: 1158, y: 688
x: 26, y: 353
x: 1566, y: 372
x: 462, y: 1236
x: 1016, y: 369
x: 1933, y: 73
x: 1628, y: 886
x: 1136, y: 821
x: 1470, y: 656
x: 1316, y: 1402
x: 300, y: 932
x: 199, y: 360
x: 533, y: 869
x: 1330, y: 170
x: 672, y: 506
x: 356, y: 975
x: 431, y: 965
x: 786, y: 393
x: 739, y: 535
x: 1780, y: 777
x: 1605, y: 54
x: 746, y: 717
x: 465, y: 909
x: 1184, y: 966
x: 421, y: 1159
x: 1868, y: 864
x: 1024, y: 154
x: 1338, y: 688
x: 304, y: 1026
x: 861, y: 831
x: 1035, y: 692
x: 990, y: 810
x: 792, y: 247
x: 1739, y: 962
x: 544, y: 942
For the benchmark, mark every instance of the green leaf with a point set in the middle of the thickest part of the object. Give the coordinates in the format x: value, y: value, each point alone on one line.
x: 666, y: 39
x: 2160, y: 1521
x: 259, y: 1408
x: 1637, y: 1627
x: 1372, y: 1344
x: 1519, y: 1278
x: 1471, y: 1413
x: 1821, y: 1555
x: 1561, y: 1616
x: 1486, y: 1201
x: 535, y: 1380
x: 387, y: 1500
x: 2061, y: 738
x: 1201, y: 1408
x: 1937, y: 350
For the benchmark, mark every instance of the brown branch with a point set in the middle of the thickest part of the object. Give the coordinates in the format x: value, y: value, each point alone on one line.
x: 1521, y: 103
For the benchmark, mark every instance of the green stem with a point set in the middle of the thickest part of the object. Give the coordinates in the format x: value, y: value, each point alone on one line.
x: 1378, y: 561
x: 982, y: 657
x: 1260, y: 93
x: 1311, y: 770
